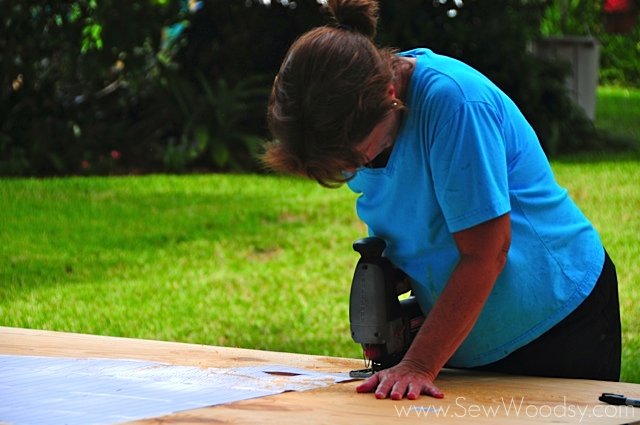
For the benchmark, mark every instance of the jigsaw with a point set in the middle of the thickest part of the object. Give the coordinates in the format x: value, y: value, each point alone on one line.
x: 380, y: 321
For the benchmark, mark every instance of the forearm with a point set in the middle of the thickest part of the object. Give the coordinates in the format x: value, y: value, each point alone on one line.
x: 454, y: 314
x: 483, y: 254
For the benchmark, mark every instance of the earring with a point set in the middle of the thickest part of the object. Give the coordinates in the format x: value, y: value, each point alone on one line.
x: 395, y: 103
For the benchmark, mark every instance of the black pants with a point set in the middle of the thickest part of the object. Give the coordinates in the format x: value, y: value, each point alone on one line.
x: 586, y: 344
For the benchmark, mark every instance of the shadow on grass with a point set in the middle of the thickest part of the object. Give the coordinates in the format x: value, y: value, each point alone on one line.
x: 597, y: 157
x: 615, y: 148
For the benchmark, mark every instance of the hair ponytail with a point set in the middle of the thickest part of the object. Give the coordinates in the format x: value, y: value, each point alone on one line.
x: 356, y: 15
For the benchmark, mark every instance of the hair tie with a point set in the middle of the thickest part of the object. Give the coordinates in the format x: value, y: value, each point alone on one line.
x: 344, y: 27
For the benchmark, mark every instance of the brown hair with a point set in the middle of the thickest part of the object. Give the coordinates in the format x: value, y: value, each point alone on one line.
x: 330, y: 92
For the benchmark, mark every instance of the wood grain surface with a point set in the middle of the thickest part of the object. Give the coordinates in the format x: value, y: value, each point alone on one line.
x: 470, y: 397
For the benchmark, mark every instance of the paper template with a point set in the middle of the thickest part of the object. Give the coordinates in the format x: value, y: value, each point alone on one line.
x: 73, y: 391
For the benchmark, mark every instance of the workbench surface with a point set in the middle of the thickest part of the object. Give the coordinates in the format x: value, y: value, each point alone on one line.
x: 470, y: 397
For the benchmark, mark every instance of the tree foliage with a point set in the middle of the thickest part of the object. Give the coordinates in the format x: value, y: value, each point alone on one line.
x: 75, y: 80
x: 99, y: 86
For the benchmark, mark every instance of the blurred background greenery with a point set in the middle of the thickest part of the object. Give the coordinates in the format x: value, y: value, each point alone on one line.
x: 138, y: 86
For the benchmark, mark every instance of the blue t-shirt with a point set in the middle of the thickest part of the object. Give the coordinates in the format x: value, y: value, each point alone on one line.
x: 464, y: 155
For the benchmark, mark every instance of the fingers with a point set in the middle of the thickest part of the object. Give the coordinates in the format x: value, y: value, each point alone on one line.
x: 381, y: 386
x: 398, y: 390
x: 432, y: 390
x: 414, y: 391
x: 369, y: 385
x: 385, y: 386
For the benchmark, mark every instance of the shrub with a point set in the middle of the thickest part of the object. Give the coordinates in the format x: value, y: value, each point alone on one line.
x: 74, y: 75
x: 107, y: 86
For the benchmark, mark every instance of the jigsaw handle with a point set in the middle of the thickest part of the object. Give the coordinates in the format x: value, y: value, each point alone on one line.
x: 370, y: 247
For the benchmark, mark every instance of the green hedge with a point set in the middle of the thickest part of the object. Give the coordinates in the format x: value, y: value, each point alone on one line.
x: 114, y: 86
x: 620, y: 59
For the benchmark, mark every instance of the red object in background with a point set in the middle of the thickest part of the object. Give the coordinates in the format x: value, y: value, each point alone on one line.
x: 620, y: 16
x: 617, y: 6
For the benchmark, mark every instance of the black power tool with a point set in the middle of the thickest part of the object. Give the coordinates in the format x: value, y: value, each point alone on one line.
x: 382, y: 323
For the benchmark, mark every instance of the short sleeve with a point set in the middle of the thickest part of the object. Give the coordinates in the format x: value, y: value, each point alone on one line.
x: 469, y: 167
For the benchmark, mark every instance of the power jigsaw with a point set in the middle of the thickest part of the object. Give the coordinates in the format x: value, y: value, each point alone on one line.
x: 381, y: 322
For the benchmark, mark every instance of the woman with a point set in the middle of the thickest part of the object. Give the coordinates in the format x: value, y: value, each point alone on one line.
x: 511, y: 274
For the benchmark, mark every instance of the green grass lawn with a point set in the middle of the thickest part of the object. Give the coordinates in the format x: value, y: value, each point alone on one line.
x: 252, y: 261
x: 249, y: 261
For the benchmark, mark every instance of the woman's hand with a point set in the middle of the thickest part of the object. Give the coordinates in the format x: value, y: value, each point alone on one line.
x: 400, y: 380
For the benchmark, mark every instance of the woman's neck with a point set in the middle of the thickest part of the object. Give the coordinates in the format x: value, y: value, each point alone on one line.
x: 403, y: 71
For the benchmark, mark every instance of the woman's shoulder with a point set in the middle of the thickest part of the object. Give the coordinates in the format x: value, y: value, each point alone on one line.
x: 443, y: 79
x: 433, y: 87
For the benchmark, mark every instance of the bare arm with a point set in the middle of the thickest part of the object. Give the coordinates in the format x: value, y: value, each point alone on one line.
x: 483, y: 252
